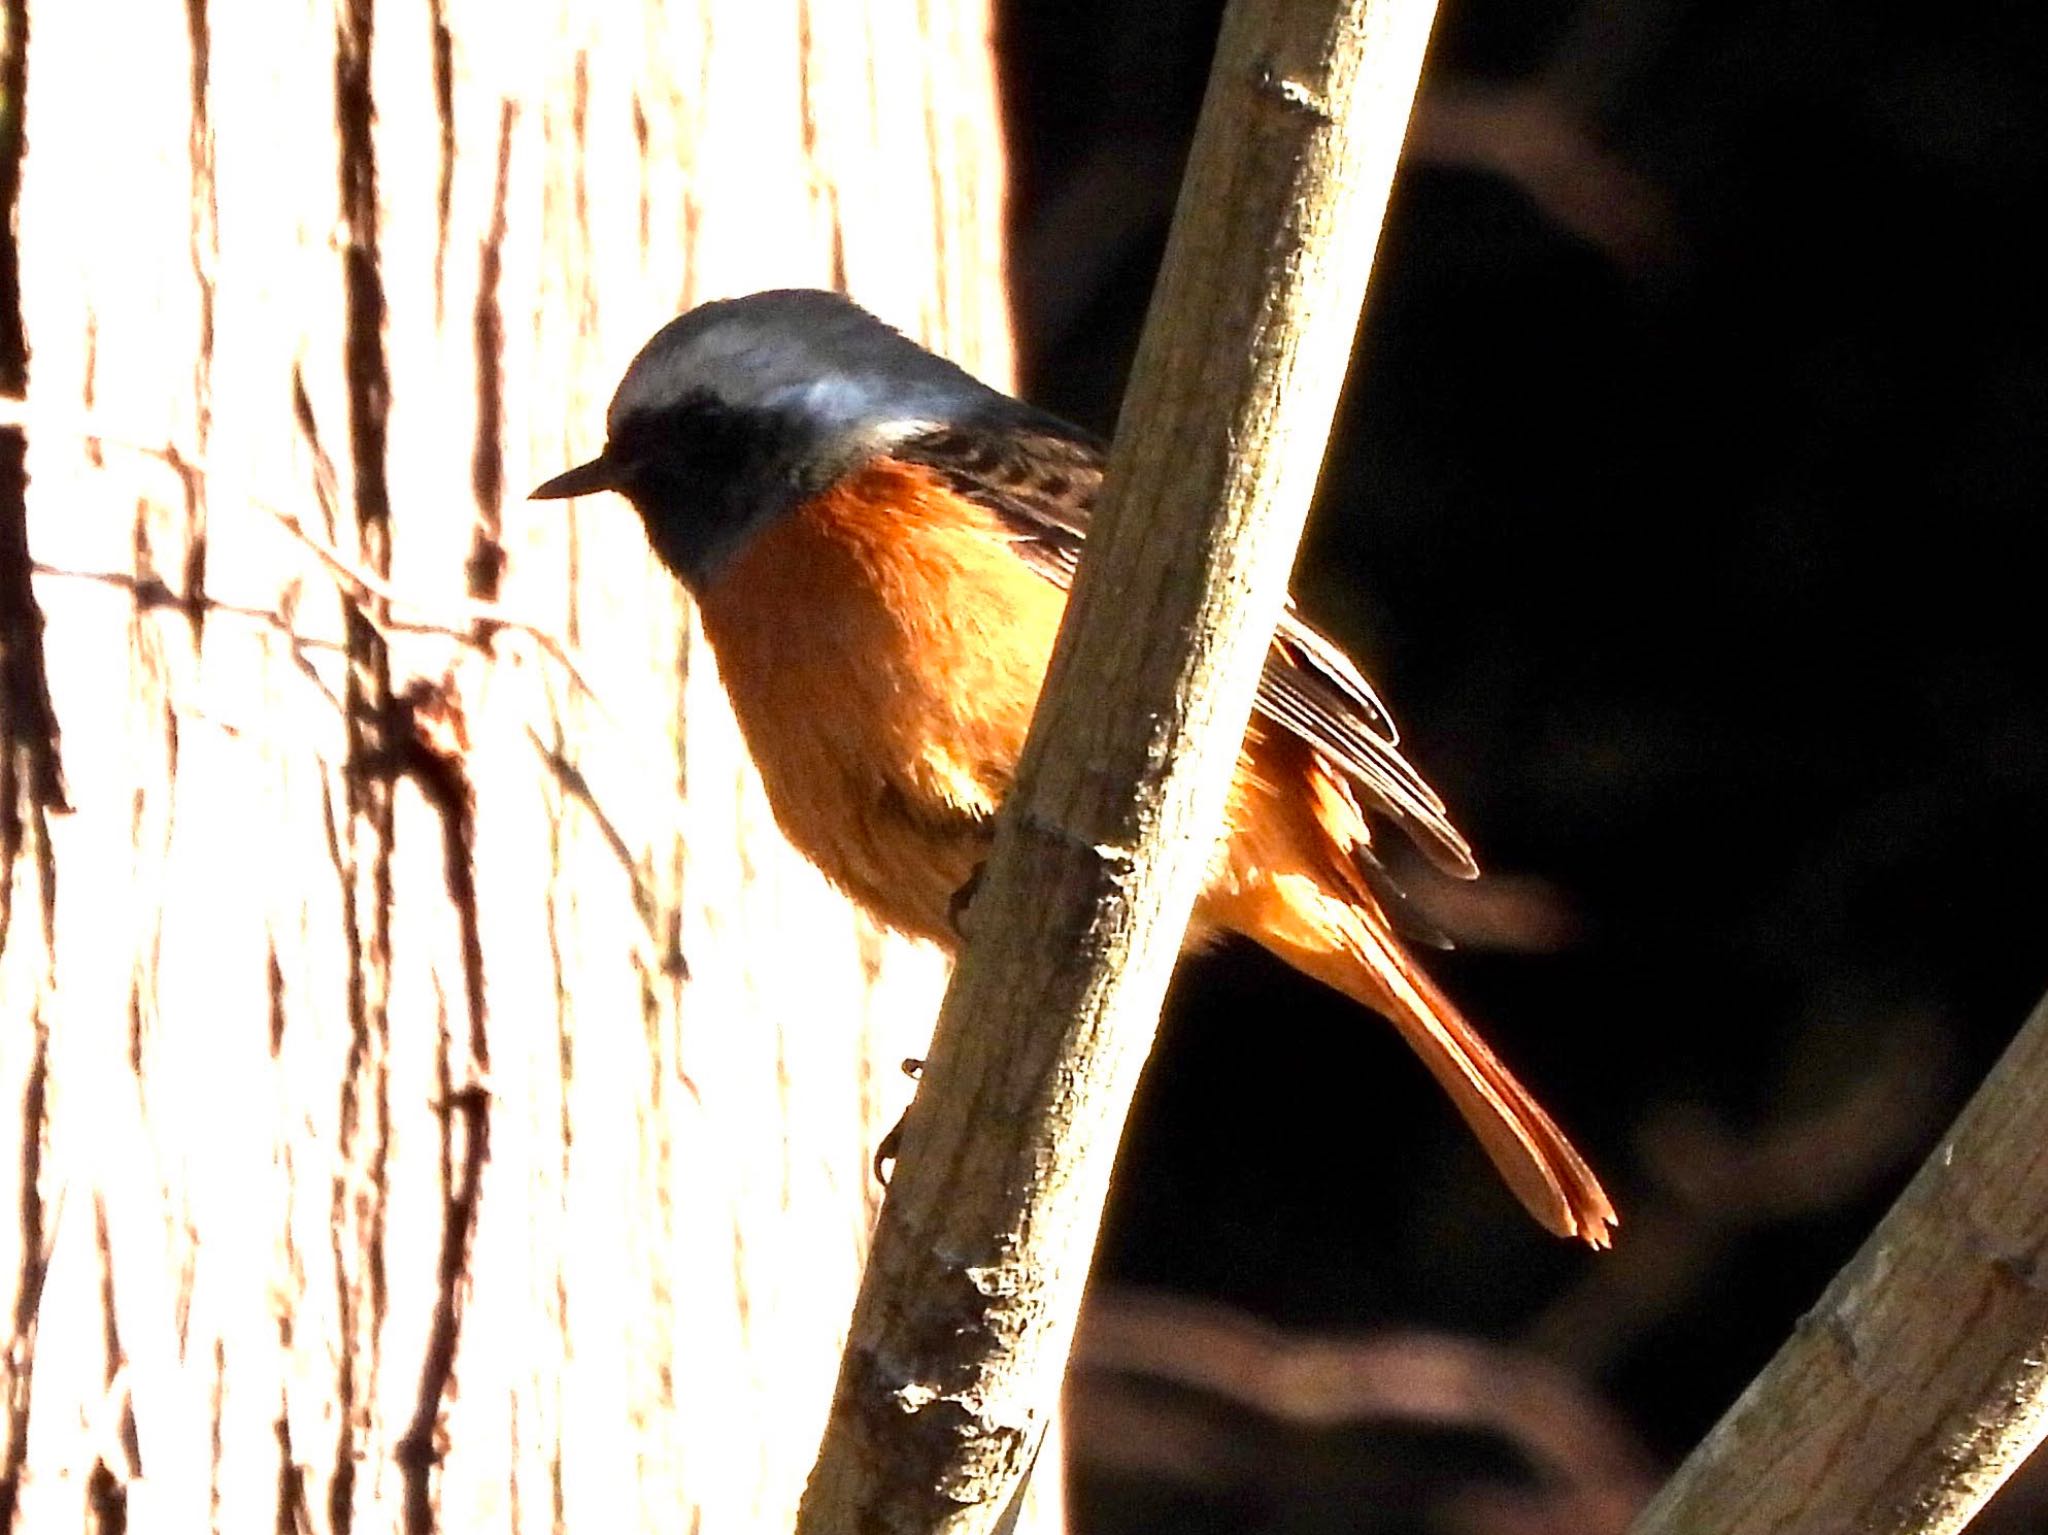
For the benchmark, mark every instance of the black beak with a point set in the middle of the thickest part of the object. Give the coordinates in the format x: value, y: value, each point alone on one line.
x: 583, y: 480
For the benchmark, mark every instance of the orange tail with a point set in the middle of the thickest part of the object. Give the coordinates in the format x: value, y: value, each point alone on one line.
x: 1291, y: 881
x: 1550, y: 1178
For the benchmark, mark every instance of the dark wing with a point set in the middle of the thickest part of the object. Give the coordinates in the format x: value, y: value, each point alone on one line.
x: 1040, y: 477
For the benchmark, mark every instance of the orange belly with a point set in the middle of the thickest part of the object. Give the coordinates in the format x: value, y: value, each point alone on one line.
x: 883, y: 647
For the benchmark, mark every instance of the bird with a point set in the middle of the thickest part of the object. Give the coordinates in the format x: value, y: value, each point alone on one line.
x: 880, y: 546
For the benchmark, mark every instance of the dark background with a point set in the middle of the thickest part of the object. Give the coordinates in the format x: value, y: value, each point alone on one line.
x: 1684, y: 505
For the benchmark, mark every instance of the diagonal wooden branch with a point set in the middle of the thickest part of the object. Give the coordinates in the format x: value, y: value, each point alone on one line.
x: 967, y: 1310
x: 1919, y: 1382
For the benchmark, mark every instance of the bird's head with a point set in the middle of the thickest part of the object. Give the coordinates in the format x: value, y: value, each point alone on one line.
x: 738, y: 411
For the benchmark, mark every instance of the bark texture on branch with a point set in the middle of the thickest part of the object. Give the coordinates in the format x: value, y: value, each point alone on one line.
x: 1919, y: 1381
x: 967, y: 1310
x: 416, y: 1117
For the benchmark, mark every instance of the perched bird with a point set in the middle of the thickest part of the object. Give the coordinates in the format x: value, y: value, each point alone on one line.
x: 880, y: 547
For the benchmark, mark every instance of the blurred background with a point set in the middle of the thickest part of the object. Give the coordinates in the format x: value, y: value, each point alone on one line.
x: 1680, y: 504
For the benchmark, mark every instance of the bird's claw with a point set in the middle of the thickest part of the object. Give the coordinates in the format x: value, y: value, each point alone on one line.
x: 956, y: 908
x: 890, y: 1144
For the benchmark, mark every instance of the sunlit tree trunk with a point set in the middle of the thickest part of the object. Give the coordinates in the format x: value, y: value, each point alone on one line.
x: 440, y: 1099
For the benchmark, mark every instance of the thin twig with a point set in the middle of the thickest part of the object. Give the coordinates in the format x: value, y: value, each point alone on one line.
x: 1163, y: 1385
x: 348, y: 574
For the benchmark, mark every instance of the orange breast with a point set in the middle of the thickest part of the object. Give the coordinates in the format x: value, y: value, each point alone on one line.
x: 883, y: 648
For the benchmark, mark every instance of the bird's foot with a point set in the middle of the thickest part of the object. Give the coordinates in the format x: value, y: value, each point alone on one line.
x: 891, y: 1143
x: 956, y: 908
